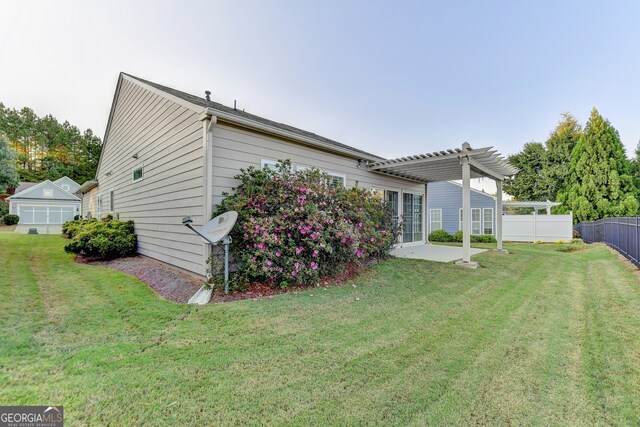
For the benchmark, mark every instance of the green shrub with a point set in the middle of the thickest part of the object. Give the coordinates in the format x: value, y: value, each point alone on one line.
x: 483, y: 238
x: 11, y: 219
x: 475, y: 238
x: 439, y: 236
x: 71, y: 228
x: 4, y: 208
x: 101, y: 239
x: 294, y: 228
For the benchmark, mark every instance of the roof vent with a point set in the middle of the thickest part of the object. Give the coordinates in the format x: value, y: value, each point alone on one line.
x: 207, y: 95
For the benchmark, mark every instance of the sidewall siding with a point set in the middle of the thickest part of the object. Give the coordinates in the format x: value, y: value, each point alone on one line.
x: 166, y: 138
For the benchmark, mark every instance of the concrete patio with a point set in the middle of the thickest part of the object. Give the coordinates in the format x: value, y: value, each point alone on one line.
x: 433, y: 252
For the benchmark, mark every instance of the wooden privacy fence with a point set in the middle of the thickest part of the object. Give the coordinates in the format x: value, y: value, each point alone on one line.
x: 622, y: 234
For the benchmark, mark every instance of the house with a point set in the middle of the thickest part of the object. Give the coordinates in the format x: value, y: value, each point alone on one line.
x: 444, y: 207
x: 45, y: 206
x: 168, y: 154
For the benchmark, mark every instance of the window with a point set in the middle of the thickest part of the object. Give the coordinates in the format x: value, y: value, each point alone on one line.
x: 47, y: 192
x: 138, y: 173
x: 337, y: 179
x: 487, y: 221
x: 476, y: 221
x: 435, y: 219
x: 302, y: 168
x: 65, y: 187
x: 99, y: 206
x: 112, y: 202
x: 268, y: 164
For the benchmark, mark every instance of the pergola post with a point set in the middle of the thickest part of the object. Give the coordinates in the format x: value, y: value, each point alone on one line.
x: 466, y: 210
x: 499, y: 213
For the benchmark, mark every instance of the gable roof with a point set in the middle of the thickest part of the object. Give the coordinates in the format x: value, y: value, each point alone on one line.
x: 239, y: 117
x: 65, y: 178
x: 473, y: 189
x: 31, y: 193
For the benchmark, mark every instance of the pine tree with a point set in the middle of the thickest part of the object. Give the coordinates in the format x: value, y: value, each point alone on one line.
x: 600, y: 184
x: 8, y: 170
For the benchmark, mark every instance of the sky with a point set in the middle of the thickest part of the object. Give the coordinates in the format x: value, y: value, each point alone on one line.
x: 393, y: 78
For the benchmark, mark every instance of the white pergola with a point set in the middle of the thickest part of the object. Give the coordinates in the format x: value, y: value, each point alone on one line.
x: 454, y: 164
x: 536, y: 206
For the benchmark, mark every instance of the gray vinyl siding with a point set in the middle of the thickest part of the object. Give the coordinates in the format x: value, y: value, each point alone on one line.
x: 167, y: 139
x: 448, y: 197
x: 235, y: 148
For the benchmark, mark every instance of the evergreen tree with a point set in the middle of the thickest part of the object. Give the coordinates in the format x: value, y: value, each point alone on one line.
x: 528, y: 184
x: 48, y: 149
x: 8, y: 170
x: 559, y: 147
x: 601, y: 184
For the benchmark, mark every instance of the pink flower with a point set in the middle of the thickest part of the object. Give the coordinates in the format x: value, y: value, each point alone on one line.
x: 314, y: 266
x: 293, y: 273
x: 278, y: 254
x: 297, y: 266
x: 269, y: 262
x: 372, y: 239
x: 315, y: 253
x: 299, y: 250
x: 313, y: 235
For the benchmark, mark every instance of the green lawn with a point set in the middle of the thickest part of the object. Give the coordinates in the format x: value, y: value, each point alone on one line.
x: 549, y: 335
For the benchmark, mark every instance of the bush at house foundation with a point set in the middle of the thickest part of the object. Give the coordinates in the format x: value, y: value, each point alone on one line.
x: 293, y: 227
x: 100, y: 239
x: 440, y: 236
x: 475, y: 238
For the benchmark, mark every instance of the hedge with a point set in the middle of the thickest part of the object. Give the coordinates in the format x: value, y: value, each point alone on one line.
x: 100, y: 239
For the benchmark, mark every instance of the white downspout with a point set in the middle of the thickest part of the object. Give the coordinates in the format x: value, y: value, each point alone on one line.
x: 208, y: 122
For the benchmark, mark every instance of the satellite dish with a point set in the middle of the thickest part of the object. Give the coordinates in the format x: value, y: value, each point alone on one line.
x: 218, y: 228
x: 215, y: 231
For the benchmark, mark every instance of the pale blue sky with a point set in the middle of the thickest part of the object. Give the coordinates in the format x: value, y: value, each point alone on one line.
x: 392, y: 78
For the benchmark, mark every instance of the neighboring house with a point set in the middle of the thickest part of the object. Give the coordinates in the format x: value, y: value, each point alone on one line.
x: 444, y: 204
x: 45, y: 206
x: 167, y: 154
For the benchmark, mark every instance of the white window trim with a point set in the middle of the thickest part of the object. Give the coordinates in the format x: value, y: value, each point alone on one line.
x: 49, y: 191
x: 460, y: 220
x: 483, y: 220
x: 133, y: 171
x: 269, y: 162
x: 431, y: 229
x: 302, y: 168
x: 111, y: 204
x: 65, y: 187
x: 338, y: 175
x: 99, y: 210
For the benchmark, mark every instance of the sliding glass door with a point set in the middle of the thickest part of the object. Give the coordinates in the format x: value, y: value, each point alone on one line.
x: 412, y: 215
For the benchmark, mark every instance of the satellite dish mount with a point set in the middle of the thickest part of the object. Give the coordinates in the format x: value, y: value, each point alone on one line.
x: 214, y: 232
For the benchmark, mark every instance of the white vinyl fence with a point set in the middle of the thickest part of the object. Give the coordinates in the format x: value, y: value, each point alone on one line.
x: 533, y: 228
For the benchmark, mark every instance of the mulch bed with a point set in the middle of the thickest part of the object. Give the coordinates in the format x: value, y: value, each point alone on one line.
x: 172, y: 283
x: 178, y: 286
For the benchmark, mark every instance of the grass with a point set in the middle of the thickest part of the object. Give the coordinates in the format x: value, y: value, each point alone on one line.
x: 548, y: 335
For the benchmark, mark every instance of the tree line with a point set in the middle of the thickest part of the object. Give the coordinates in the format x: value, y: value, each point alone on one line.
x: 586, y: 169
x: 47, y: 149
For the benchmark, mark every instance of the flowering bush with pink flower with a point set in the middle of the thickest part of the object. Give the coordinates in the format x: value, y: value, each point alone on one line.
x: 293, y: 227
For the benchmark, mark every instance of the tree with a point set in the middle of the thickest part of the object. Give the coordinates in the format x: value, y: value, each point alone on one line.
x: 600, y: 182
x: 48, y: 149
x: 559, y: 147
x: 8, y: 170
x: 528, y: 184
